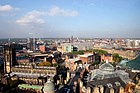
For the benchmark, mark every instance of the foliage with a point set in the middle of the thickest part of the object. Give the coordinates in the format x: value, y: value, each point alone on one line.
x: 79, y: 62
x: 80, y: 52
x: 116, y: 57
x: 88, y: 50
x: 95, y: 63
x: 60, y: 61
x: 113, y: 63
x: 55, y: 65
x: 100, y: 51
x: 12, y: 85
x: 44, y: 64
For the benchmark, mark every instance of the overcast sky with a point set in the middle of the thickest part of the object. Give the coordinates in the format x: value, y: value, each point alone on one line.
x: 63, y: 18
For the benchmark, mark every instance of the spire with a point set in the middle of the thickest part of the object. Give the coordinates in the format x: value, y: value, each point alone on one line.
x: 107, y: 61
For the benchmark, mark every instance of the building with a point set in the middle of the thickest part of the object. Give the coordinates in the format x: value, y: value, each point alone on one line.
x: 72, y: 63
x: 76, y: 46
x: 32, y: 74
x: 87, y: 58
x: 111, y: 85
x: 133, y: 43
x: 49, y: 87
x: 132, y: 64
x: 106, y: 70
x: 68, y: 48
x: 42, y: 48
x: 108, y: 57
x: 31, y: 44
x: 106, y: 79
x: 27, y: 72
x: 9, y: 58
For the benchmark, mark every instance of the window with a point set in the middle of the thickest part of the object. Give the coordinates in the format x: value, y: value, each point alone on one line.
x: 117, y: 83
x: 109, y: 85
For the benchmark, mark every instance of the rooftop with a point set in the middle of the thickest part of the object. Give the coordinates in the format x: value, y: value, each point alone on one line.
x: 106, y: 67
x: 86, y: 55
x: 29, y: 75
x: 115, y: 82
x: 27, y: 86
x: 132, y: 64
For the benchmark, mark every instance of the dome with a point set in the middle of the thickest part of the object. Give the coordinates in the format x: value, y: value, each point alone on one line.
x: 106, y: 67
x: 49, y: 87
x: 134, y: 64
x: 123, y: 63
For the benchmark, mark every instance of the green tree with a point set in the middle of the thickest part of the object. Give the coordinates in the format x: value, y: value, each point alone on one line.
x: 100, y: 51
x: 44, y: 64
x: 80, y: 52
x: 116, y: 57
x: 95, y: 63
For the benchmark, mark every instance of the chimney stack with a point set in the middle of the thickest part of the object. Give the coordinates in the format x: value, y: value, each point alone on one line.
x: 111, y: 90
x: 121, y: 90
x: 96, y: 90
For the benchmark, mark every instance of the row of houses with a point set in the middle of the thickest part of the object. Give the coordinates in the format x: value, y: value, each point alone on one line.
x: 71, y: 61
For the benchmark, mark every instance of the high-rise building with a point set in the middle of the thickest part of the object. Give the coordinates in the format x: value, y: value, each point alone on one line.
x: 130, y: 43
x: 133, y: 43
x: 31, y: 44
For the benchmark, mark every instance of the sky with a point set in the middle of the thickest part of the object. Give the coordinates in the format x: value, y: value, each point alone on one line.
x: 66, y: 18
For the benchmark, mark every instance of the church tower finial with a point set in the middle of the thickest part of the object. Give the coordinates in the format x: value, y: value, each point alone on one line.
x: 107, y: 61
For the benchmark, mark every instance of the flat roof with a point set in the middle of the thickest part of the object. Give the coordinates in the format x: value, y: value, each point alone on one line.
x: 86, y: 55
x: 27, y: 86
x: 74, y: 59
x: 29, y: 75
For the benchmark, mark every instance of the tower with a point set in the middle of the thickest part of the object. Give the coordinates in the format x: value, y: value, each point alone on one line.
x: 9, y: 58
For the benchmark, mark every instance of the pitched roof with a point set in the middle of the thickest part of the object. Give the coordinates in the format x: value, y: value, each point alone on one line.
x: 115, y: 83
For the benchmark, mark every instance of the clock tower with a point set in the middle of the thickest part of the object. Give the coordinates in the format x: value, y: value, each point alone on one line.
x: 9, y: 58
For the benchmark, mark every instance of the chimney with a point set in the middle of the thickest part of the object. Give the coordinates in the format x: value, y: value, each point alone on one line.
x: 58, y: 82
x: 111, y: 90
x: 65, y: 82
x: 81, y: 84
x: 96, y: 90
x: 66, y: 57
x: 68, y: 76
x: 60, y: 79
x: 121, y: 90
x: 45, y: 59
x: 75, y: 83
x: 101, y: 89
x: 88, y: 90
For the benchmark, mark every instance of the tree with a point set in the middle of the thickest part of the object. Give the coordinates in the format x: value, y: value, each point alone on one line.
x: 116, y: 57
x: 80, y: 52
x: 44, y: 64
x: 95, y: 63
x: 100, y: 51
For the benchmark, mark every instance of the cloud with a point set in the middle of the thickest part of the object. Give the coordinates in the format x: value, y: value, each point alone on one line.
x: 32, y: 17
x: 56, y: 11
x: 6, y: 8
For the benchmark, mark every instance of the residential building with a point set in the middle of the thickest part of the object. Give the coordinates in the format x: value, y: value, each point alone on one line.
x: 76, y: 46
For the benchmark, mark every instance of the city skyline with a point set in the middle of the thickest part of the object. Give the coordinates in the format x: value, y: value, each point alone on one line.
x: 64, y: 18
